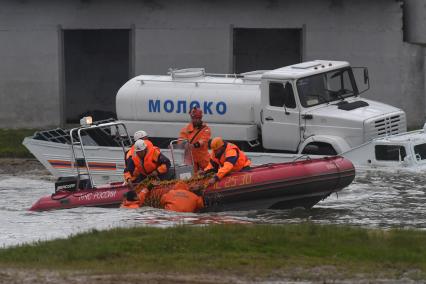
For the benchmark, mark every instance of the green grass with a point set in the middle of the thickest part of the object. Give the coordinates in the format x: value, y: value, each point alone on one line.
x: 249, y: 249
x: 11, y: 143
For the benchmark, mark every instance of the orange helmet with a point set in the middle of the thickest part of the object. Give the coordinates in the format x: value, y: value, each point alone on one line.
x: 180, y: 185
x: 217, y: 142
x: 196, y: 113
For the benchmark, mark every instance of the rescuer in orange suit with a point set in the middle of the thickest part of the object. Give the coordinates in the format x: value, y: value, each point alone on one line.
x: 140, y: 134
x: 181, y: 199
x: 225, y: 158
x: 198, y: 135
x: 133, y: 200
x: 146, y: 162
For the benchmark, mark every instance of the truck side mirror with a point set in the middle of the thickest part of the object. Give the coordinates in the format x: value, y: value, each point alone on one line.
x: 361, y: 79
x: 366, y: 79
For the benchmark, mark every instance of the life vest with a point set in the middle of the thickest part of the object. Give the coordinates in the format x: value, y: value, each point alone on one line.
x: 202, y: 136
x: 131, y: 152
x: 130, y: 204
x: 151, y: 162
x: 232, y: 159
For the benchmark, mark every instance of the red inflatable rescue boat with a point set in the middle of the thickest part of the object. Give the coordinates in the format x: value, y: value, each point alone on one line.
x: 272, y: 186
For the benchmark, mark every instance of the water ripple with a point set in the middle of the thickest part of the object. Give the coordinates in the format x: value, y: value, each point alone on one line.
x: 375, y: 200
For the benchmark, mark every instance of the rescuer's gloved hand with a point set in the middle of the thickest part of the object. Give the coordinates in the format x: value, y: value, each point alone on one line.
x: 197, y: 144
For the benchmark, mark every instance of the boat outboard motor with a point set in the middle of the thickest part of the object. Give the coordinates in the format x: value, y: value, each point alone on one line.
x: 70, y: 183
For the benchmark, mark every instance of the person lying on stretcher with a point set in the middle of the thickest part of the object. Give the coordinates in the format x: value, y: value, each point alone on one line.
x: 178, y: 199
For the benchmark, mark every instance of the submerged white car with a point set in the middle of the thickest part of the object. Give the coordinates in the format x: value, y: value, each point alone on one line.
x: 400, y: 151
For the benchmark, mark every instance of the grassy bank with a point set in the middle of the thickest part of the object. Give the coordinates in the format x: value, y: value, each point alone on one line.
x: 250, y: 250
x: 11, y: 143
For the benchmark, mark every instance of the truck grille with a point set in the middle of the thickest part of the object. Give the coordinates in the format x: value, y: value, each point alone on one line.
x: 385, y: 126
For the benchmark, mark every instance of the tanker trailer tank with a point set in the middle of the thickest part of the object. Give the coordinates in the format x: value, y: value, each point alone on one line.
x: 160, y: 104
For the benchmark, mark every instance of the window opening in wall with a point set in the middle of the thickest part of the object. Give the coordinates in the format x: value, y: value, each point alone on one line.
x: 265, y: 49
x: 96, y: 65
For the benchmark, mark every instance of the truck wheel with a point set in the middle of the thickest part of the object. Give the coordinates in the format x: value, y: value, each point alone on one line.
x: 319, y: 148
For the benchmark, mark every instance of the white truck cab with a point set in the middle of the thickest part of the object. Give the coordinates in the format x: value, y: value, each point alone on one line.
x: 317, y: 104
x: 312, y: 107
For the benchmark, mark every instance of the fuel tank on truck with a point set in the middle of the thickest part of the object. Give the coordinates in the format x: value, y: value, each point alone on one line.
x: 222, y: 98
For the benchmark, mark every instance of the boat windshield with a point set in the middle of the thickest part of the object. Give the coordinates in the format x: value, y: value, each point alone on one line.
x: 183, y: 163
x: 326, y: 87
x: 420, y: 151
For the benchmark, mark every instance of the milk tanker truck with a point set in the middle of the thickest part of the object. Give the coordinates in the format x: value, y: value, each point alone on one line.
x: 308, y: 108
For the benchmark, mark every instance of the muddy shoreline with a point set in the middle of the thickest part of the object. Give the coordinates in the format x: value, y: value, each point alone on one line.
x: 320, y: 274
x: 23, y: 167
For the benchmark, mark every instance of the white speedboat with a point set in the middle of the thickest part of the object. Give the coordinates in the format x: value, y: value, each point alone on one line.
x: 96, y: 148
x: 100, y: 150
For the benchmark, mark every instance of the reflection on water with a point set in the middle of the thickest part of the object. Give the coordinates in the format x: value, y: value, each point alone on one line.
x: 375, y: 199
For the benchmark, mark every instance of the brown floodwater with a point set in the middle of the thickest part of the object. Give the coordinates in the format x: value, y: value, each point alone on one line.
x: 375, y: 200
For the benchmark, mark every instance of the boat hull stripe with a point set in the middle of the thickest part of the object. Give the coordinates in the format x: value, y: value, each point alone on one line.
x: 92, y: 165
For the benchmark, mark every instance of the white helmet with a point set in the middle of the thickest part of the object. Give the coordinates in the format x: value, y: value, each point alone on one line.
x: 140, y: 145
x: 140, y: 134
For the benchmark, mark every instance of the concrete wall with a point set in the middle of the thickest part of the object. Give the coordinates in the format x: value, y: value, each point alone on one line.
x: 415, y: 21
x: 415, y: 36
x: 198, y: 33
x: 29, y: 78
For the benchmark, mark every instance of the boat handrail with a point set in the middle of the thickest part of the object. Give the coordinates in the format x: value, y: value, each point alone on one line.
x: 61, y: 135
x: 79, y: 130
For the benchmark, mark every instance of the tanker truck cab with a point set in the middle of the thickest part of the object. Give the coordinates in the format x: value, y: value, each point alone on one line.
x: 280, y: 115
x: 308, y: 108
x: 314, y: 108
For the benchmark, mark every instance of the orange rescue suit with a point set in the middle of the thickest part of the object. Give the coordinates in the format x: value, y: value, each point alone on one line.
x: 230, y: 159
x: 199, y: 137
x: 180, y: 199
x: 153, y: 161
